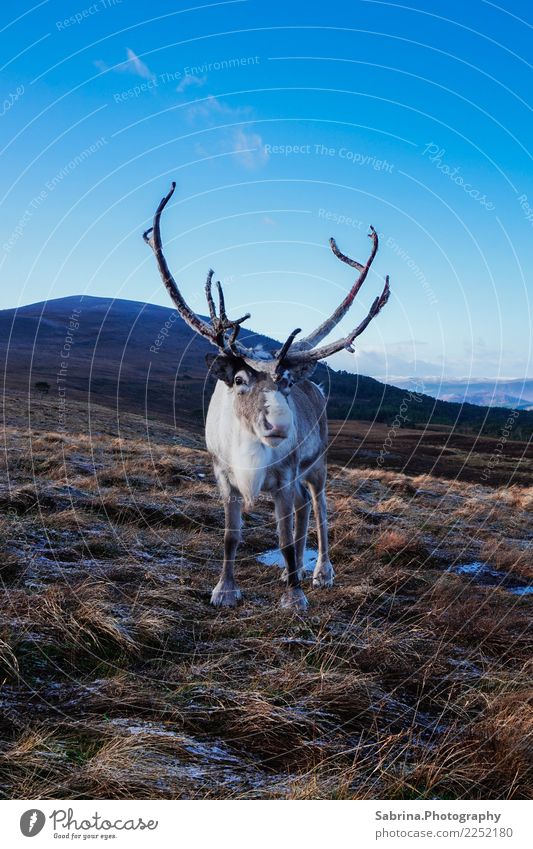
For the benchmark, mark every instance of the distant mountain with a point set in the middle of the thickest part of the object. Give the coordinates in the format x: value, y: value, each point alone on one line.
x: 142, y: 358
x: 516, y: 394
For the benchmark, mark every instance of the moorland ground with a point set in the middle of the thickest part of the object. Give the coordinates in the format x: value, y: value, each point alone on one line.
x: 119, y: 680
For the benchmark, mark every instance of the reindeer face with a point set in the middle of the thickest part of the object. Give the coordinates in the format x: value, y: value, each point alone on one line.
x: 263, y: 405
x: 261, y: 399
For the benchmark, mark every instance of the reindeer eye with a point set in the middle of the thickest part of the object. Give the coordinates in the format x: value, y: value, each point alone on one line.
x: 239, y: 381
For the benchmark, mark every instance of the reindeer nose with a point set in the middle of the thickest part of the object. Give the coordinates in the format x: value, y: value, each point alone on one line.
x: 274, y: 430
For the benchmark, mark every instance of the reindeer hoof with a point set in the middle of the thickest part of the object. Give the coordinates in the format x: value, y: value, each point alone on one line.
x: 225, y: 595
x: 323, y: 576
x: 294, y: 599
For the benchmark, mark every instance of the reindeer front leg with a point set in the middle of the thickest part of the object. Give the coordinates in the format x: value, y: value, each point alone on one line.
x: 226, y: 593
x: 294, y: 596
x: 302, y: 509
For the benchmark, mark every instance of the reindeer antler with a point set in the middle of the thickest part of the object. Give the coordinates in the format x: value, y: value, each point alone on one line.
x: 289, y: 354
x: 346, y: 342
x: 221, y: 324
x: 327, y: 326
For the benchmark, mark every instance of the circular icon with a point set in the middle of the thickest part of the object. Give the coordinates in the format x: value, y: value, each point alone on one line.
x: 32, y: 822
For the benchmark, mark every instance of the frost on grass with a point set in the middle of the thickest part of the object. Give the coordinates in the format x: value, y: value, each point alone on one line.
x: 411, y: 678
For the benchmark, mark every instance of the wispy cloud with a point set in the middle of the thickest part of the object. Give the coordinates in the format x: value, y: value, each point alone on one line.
x: 248, y: 147
x: 211, y: 109
x: 397, y: 362
x: 190, y: 80
x: 132, y: 65
x: 243, y: 141
x: 391, y: 363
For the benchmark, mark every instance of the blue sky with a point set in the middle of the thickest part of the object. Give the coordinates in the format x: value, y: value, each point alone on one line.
x: 283, y: 124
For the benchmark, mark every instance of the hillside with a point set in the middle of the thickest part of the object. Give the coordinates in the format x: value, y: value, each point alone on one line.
x: 141, y: 358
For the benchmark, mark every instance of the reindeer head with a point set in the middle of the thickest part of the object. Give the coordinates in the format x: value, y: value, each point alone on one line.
x: 261, y: 398
x: 261, y: 381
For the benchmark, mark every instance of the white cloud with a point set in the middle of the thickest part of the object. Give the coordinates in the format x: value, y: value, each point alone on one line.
x: 191, y: 80
x: 132, y: 65
x: 391, y: 363
x: 211, y: 109
x: 397, y: 362
x: 249, y: 147
x: 244, y: 142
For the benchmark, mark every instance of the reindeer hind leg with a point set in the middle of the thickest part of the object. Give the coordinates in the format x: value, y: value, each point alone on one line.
x: 323, y: 574
x: 293, y: 597
x: 302, y: 510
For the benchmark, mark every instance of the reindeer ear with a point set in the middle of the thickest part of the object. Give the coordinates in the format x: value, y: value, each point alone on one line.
x: 222, y: 367
x: 301, y: 371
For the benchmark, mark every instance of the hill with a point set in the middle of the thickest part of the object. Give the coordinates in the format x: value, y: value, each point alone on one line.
x: 142, y: 358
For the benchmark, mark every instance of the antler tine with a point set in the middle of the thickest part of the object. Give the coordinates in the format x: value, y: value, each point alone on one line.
x: 236, y: 325
x: 347, y: 341
x: 343, y: 257
x: 377, y: 305
x: 233, y: 338
x: 221, y: 322
x: 327, y: 326
x: 282, y: 353
x: 209, y: 296
x: 221, y: 304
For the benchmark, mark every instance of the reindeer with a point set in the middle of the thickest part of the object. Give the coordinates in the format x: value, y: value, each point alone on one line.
x: 266, y: 426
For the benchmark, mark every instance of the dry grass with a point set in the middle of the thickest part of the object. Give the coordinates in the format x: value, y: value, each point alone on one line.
x: 120, y: 681
x: 507, y: 556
